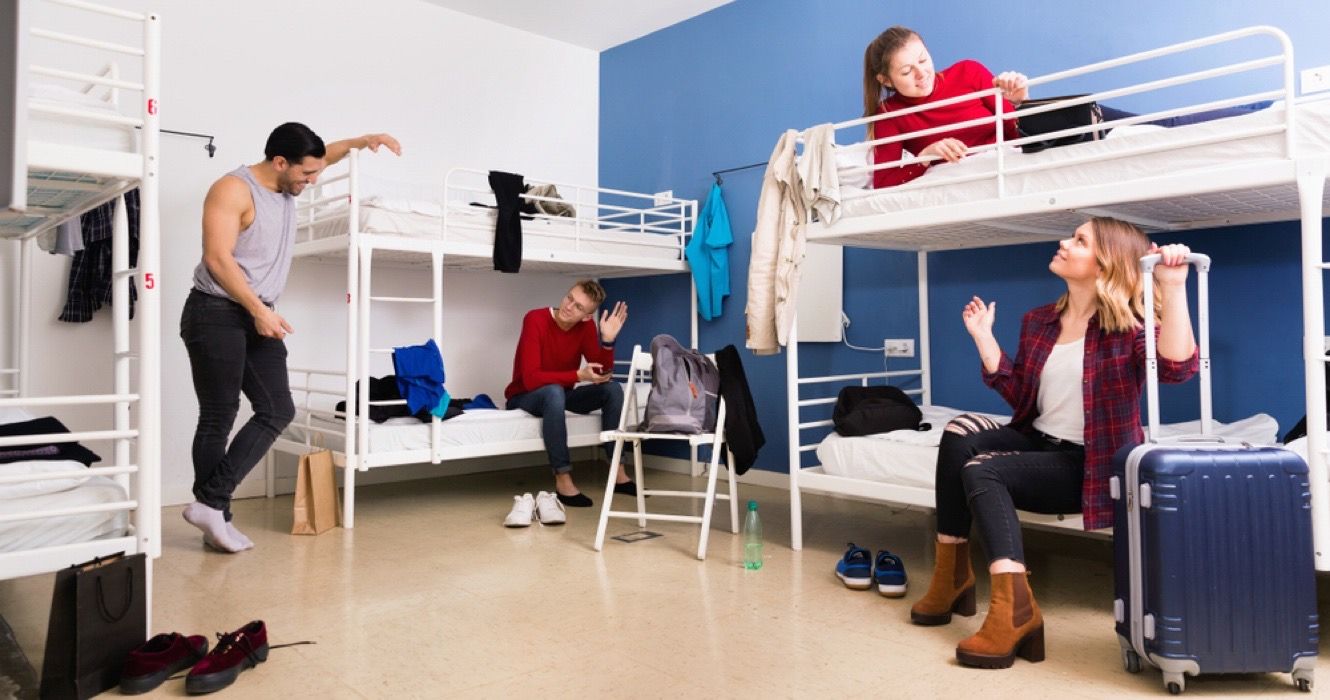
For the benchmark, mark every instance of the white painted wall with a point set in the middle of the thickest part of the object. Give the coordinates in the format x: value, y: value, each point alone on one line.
x: 456, y: 90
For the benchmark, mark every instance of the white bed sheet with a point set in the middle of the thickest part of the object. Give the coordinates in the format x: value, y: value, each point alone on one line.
x: 30, y: 534
x: 76, y: 132
x: 909, y: 458
x: 472, y: 428
x: 1313, y: 135
x: 475, y: 225
x: 67, y: 529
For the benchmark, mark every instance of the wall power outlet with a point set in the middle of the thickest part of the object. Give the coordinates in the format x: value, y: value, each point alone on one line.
x: 899, y: 347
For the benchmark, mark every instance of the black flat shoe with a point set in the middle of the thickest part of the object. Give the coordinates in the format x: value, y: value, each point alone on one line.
x: 580, y: 500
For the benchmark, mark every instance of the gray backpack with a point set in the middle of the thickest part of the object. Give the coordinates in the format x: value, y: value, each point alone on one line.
x: 684, y: 389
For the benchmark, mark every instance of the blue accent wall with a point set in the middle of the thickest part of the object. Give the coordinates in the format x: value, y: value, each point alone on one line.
x: 717, y: 90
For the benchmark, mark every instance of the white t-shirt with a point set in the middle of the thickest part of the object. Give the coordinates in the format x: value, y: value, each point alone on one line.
x: 1061, y: 396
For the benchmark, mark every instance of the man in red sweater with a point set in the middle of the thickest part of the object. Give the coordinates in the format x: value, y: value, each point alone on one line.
x: 549, y: 363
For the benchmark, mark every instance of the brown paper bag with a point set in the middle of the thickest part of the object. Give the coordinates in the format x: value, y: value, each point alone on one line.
x: 317, y: 504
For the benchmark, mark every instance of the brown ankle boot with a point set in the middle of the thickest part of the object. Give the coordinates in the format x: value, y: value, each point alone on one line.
x: 952, y: 587
x: 1014, y: 627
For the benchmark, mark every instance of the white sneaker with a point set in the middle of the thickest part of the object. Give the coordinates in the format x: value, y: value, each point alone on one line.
x: 520, y: 515
x: 549, y: 509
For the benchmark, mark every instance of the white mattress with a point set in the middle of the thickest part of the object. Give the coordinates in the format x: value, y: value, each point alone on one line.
x: 30, y: 534
x: 77, y: 132
x: 477, y: 427
x: 909, y: 458
x: 936, y: 187
x: 475, y: 225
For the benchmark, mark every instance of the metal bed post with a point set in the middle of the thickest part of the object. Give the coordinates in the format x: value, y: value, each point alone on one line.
x: 366, y: 253
x: 436, y: 282
x: 792, y: 430
x: 925, y: 344
x: 25, y: 316
x: 1311, y: 185
x: 148, y: 515
x: 351, y: 427
x: 121, y: 355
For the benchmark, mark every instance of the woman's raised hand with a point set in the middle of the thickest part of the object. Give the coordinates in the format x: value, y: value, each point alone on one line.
x: 1173, y: 265
x: 1013, y: 86
x: 978, y: 317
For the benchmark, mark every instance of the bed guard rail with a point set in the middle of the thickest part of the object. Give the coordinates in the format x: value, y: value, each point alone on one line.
x: 862, y: 378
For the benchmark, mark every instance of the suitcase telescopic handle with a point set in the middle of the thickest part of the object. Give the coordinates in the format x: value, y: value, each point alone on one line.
x: 1202, y: 264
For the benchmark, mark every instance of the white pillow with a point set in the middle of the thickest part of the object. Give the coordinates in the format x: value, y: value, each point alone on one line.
x: 14, y: 415
x: 853, y: 157
x: 28, y: 489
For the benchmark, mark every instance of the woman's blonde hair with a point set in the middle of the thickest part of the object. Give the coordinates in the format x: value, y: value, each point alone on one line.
x: 877, y: 60
x: 1118, y: 248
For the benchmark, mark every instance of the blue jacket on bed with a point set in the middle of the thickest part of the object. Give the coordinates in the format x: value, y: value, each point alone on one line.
x: 419, y: 370
x: 709, y: 255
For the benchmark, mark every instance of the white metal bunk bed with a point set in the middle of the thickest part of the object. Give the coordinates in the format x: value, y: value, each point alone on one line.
x: 1266, y: 166
x: 81, y: 153
x: 613, y: 233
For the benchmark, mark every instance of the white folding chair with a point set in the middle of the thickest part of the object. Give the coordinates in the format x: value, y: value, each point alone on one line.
x: 638, y: 373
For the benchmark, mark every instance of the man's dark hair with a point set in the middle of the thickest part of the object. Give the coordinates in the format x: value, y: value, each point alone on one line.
x: 294, y: 141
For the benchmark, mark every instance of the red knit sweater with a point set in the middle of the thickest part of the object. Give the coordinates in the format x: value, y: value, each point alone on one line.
x: 963, y: 78
x: 548, y: 354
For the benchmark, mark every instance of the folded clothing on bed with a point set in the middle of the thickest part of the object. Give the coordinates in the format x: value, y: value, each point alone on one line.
x: 43, y: 426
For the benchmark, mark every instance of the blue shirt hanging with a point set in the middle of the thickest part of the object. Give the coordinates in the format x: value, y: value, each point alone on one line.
x: 709, y: 255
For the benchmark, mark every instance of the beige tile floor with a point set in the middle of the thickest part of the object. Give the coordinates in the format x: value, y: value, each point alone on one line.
x: 430, y: 597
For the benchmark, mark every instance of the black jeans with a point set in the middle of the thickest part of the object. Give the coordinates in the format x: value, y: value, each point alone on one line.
x: 988, y: 471
x: 227, y: 356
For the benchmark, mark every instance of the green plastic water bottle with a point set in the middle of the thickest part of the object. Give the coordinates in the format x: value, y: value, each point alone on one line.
x: 752, y: 538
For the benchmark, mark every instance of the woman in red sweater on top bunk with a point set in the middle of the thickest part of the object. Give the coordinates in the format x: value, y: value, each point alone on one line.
x: 898, y: 61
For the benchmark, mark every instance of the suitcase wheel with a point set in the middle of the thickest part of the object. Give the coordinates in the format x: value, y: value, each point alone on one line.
x: 1302, y: 678
x: 1131, y: 661
x: 1174, y: 689
x: 1175, y: 682
x: 1304, y: 685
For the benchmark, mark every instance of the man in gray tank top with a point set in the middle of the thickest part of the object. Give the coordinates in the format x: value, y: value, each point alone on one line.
x: 230, y: 324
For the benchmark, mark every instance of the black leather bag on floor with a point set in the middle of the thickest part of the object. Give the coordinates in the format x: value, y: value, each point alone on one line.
x: 1084, y: 114
x: 864, y: 410
x: 98, y: 616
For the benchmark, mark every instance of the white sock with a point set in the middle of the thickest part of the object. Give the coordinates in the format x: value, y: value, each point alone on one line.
x: 239, y: 536
x: 213, y: 524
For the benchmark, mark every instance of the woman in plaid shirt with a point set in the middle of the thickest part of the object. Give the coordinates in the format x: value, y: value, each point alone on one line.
x: 1075, y: 389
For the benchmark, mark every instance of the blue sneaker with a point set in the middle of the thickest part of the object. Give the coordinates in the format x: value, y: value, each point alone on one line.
x: 889, y: 574
x: 855, y: 569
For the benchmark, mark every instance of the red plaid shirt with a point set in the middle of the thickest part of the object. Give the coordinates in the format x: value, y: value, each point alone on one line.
x: 1114, y: 372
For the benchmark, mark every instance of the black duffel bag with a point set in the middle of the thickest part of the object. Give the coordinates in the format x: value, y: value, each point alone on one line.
x: 864, y: 410
x: 1084, y: 114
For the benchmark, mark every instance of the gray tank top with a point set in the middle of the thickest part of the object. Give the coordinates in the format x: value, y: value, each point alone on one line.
x: 263, y: 250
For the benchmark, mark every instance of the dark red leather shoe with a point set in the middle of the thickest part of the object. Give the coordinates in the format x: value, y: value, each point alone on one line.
x: 237, y: 651
x: 158, y: 659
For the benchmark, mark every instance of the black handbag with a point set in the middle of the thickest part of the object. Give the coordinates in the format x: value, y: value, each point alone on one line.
x: 1084, y: 114
x: 98, y: 616
x: 864, y: 410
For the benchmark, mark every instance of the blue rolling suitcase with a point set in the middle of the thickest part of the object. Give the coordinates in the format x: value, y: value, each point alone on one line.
x: 1213, y: 545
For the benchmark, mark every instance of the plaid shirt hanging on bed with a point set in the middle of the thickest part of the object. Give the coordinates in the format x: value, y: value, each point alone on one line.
x: 90, y: 272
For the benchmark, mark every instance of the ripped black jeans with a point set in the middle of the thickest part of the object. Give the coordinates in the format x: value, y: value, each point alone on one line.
x: 986, y: 471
